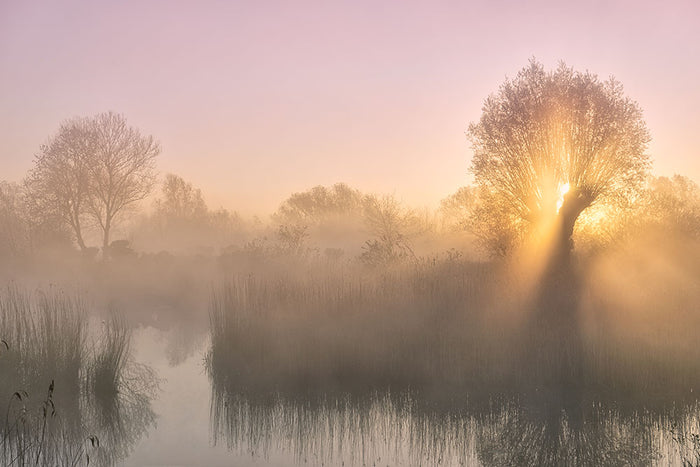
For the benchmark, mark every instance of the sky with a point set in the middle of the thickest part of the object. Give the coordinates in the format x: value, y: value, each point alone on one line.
x: 254, y: 100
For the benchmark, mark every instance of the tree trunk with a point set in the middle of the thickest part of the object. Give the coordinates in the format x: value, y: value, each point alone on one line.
x: 574, y: 203
x: 105, y: 239
x: 79, y: 239
x: 75, y: 221
x: 553, y: 342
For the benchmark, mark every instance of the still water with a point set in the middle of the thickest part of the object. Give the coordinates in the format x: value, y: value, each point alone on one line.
x: 202, y: 422
x: 101, y: 392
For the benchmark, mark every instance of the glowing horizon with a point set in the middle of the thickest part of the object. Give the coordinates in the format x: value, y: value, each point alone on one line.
x: 253, y: 102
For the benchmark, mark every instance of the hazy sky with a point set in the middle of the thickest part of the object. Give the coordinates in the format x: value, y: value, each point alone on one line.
x: 252, y: 100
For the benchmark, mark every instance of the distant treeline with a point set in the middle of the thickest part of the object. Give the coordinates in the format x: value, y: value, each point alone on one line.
x: 89, y: 182
x: 335, y: 222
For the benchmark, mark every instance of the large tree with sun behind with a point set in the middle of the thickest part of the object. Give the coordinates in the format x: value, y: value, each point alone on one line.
x: 551, y: 144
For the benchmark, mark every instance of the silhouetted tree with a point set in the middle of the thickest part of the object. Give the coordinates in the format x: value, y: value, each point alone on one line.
x: 495, y: 226
x: 182, y: 221
x: 58, y: 184
x: 543, y: 132
x: 180, y: 202
x: 332, y: 215
x: 457, y: 209
x: 14, y: 231
x: 291, y: 239
x: 92, y: 169
x: 667, y: 207
x: 673, y: 204
x: 392, y: 225
x: 320, y: 204
x: 121, y: 169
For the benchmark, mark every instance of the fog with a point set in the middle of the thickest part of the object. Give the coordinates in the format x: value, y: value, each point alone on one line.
x: 349, y: 234
x: 348, y: 327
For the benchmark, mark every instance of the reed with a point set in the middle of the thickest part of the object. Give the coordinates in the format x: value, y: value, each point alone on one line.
x: 287, y: 343
x: 47, y: 345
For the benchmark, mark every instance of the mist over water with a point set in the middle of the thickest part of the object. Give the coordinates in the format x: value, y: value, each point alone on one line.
x: 273, y: 234
x: 348, y: 328
x: 281, y: 354
x: 352, y: 329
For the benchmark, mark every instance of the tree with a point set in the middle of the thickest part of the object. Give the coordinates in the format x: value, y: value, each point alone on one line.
x: 180, y: 203
x: 183, y: 222
x: 22, y: 232
x: 457, y: 209
x: 549, y: 145
x: 320, y: 205
x: 58, y: 184
x: 333, y: 214
x: 121, y: 169
x: 392, y: 225
x: 669, y: 205
x: 14, y: 232
x: 92, y: 169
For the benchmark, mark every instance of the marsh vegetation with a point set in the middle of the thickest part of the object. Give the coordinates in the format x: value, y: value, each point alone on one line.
x: 71, y: 396
x: 403, y: 366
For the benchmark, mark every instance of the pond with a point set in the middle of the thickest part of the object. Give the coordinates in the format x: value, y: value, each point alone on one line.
x: 335, y: 371
x: 200, y: 425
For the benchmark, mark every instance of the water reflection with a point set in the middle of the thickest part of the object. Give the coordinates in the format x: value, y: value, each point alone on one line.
x: 410, y: 429
x: 556, y: 398
x: 71, y: 396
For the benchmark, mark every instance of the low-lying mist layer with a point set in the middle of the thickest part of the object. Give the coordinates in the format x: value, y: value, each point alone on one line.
x: 349, y: 318
x: 588, y: 370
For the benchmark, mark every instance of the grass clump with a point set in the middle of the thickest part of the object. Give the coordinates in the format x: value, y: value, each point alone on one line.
x: 98, y: 399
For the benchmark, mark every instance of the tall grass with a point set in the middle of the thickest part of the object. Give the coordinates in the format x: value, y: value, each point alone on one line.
x: 110, y: 359
x: 401, y: 327
x: 83, y: 413
x: 288, y: 347
x: 46, y: 339
x: 383, y: 428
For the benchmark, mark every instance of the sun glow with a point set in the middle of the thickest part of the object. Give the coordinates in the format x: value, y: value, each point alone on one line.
x: 563, y: 190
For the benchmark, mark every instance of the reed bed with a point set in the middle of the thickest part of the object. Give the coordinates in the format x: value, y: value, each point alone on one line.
x: 384, y: 428
x: 465, y: 345
x: 66, y: 392
x: 401, y: 327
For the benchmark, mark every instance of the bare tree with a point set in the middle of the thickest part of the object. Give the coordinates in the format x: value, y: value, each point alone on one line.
x: 457, y: 209
x: 670, y: 205
x: 94, y: 168
x: 121, y: 171
x: 320, y: 205
x: 180, y: 202
x: 14, y: 238
x: 392, y: 225
x: 23, y: 231
x: 550, y: 144
x: 182, y: 221
x: 58, y: 184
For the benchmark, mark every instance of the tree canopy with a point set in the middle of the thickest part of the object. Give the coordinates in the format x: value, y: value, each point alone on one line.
x: 121, y: 168
x: 456, y: 210
x: 182, y: 221
x: 549, y: 144
x: 320, y: 204
x: 180, y: 201
x: 91, y: 171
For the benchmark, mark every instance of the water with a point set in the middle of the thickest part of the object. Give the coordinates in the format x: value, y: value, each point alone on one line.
x: 198, y: 426
x: 295, y: 373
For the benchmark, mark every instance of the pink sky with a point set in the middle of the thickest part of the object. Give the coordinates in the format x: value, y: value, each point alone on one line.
x: 254, y: 100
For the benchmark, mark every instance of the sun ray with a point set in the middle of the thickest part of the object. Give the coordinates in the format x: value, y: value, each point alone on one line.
x: 563, y: 190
